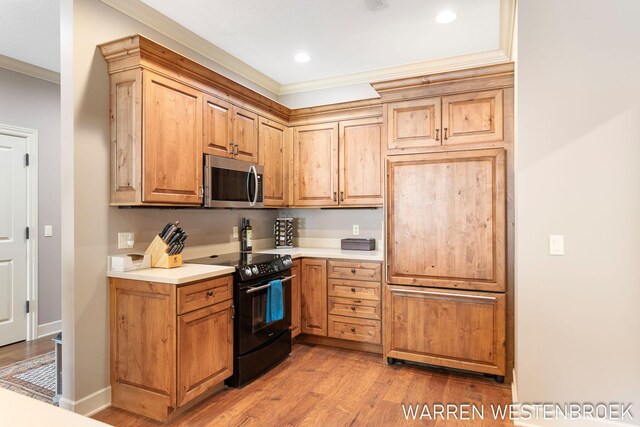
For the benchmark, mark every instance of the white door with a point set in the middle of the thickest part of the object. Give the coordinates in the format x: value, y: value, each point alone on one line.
x: 13, y: 239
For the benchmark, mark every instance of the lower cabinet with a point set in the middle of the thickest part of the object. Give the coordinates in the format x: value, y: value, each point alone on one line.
x: 456, y: 329
x: 296, y: 318
x: 170, y: 344
x: 313, y: 286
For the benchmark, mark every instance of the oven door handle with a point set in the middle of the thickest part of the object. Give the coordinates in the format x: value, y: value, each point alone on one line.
x: 259, y: 288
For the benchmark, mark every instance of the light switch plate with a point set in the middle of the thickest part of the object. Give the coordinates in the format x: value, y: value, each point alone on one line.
x: 556, y: 244
x: 235, y: 232
x: 356, y: 229
x: 125, y: 240
x: 48, y: 230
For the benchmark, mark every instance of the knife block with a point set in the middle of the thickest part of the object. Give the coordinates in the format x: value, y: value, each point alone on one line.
x: 159, y: 257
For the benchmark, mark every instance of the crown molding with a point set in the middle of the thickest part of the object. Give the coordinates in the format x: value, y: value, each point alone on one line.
x: 168, y: 27
x: 29, y: 69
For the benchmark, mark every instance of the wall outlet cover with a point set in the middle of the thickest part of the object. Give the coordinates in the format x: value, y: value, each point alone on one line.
x: 48, y: 230
x: 125, y: 240
x: 356, y: 229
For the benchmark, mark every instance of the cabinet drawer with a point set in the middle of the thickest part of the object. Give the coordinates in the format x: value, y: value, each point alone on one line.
x: 350, y: 328
x: 204, y: 294
x: 355, y: 270
x: 362, y: 308
x: 354, y: 289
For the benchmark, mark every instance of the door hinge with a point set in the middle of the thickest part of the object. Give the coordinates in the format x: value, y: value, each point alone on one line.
x: 26, y: 233
x: 28, y: 308
x: 26, y: 159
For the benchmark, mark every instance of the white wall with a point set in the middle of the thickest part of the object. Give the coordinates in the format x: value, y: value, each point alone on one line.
x: 578, y: 174
x: 35, y: 104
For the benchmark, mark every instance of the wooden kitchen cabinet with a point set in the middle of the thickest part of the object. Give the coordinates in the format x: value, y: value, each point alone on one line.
x: 275, y: 154
x: 315, y: 165
x: 472, y: 118
x: 361, y: 168
x: 446, y: 224
x: 413, y: 124
x: 313, y: 288
x: 164, y: 353
x: 230, y: 131
x: 296, y: 300
x: 463, y: 330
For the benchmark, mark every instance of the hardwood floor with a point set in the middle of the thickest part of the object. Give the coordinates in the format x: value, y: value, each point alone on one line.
x: 322, y: 386
x: 25, y: 349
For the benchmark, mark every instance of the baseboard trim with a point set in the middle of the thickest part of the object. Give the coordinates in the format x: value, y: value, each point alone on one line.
x: 49, y: 328
x: 88, y: 405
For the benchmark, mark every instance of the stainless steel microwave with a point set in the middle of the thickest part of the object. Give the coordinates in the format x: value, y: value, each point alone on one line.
x: 231, y: 183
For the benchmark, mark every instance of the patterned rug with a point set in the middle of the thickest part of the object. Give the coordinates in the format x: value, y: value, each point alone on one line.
x: 35, y: 377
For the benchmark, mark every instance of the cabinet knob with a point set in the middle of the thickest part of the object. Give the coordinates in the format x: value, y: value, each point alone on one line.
x: 335, y: 196
x: 353, y: 308
x: 353, y: 290
x: 437, y: 137
x: 209, y: 293
x: 342, y: 196
x: 353, y: 271
x: 445, y: 134
x: 353, y: 330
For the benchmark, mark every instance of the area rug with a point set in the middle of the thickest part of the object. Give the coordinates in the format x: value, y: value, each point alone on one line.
x: 35, y: 377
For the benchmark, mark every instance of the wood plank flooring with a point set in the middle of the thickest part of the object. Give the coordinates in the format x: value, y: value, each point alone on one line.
x: 13, y: 353
x: 323, y: 386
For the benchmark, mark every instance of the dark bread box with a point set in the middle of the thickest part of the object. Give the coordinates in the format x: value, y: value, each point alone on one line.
x: 358, y: 244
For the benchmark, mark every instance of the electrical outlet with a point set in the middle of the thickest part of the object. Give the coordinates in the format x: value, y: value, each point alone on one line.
x: 48, y: 230
x: 356, y: 229
x: 235, y: 232
x: 125, y: 240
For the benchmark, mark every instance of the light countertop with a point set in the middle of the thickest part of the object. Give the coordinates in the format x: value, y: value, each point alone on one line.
x: 175, y: 276
x: 335, y: 253
x: 19, y: 410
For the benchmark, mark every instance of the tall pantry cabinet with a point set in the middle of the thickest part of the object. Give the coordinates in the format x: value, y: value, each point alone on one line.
x: 448, y: 291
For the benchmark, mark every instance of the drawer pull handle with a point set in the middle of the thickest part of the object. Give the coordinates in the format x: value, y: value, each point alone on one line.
x: 353, y: 308
x: 446, y: 294
x: 353, y: 271
x: 353, y: 330
x: 358, y: 301
x: 353, y: 290
x: 209, y: 293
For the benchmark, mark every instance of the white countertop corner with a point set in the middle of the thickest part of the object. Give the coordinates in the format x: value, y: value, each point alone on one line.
x: 186, y: 273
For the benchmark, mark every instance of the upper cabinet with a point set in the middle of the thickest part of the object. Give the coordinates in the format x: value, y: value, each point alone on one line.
x: 275, y: 154
x: 339, y: 163
x: 172, y: 117
x: 361, y: 162
x: 315, y: 165
x: 436, y: 124
x: 230, y: 131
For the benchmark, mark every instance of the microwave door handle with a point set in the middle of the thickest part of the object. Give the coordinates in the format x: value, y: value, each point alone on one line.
x: 249, y: 187
x: 255, y: 188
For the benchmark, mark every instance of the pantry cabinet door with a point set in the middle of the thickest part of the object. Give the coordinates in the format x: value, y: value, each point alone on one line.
x: 446, y: 220
x: 217, y: 126
x: 315, y: 165
x: 172, y: 117
x: 361, y: 165
x: 274, y: 153
x: 413, y: 125
x: 471, y: 118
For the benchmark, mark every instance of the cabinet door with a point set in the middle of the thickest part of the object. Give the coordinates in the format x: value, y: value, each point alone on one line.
x: 475, y: 117
x: 446, y: 220
x: 172, y: 141
x: 245, y: 134
x: 361, y: 166
x: 217, y: 126
x: 412, y: 125
x: 315, y: 165
x: 205, y: 349
x: 296, y: 319
x: 143, y: 347
x: 274, y: 153
x: 464, y: 330
x: 314, y: 296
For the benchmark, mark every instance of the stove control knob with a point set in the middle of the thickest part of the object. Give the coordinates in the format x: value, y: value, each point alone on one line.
x: 255, y: 269
x: 246, y: 271
x: 287, y: 262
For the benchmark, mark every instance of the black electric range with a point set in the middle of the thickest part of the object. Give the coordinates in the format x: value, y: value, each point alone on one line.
x: 258, y: 343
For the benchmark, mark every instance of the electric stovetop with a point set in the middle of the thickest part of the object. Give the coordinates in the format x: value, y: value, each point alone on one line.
x: 236, y: 259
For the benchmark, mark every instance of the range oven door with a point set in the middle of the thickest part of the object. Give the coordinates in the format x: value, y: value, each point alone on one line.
x: 252, y: 329
x: 230, y: 183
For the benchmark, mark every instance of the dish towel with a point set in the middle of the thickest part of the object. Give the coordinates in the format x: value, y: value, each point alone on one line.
x: 275, y: 303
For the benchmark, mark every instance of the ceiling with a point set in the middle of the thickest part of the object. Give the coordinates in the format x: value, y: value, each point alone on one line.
x: 343, y: 37
x: 30, y: 32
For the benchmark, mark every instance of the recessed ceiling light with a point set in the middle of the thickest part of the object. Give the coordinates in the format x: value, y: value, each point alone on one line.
x: 445, y: 17
x: 302, y: 57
